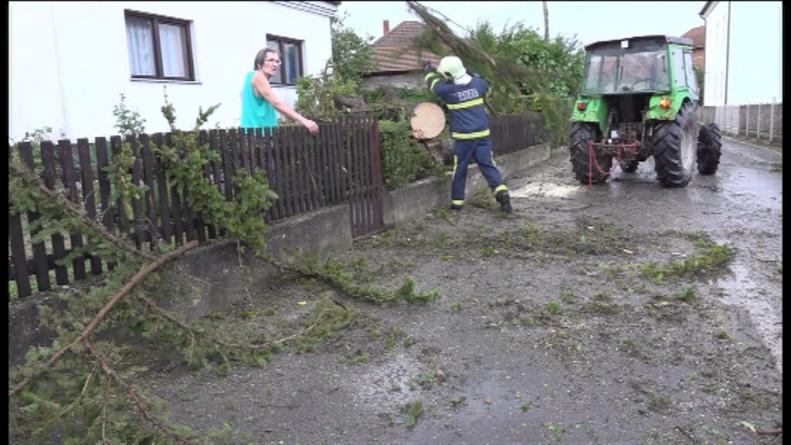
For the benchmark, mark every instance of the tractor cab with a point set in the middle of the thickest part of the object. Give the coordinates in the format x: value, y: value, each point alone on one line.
x: 631, y: 89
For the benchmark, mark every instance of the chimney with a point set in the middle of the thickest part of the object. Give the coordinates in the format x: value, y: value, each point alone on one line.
x: 385, y: 27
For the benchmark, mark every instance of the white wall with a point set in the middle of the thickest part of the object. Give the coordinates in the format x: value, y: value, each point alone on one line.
x: 756, y: 53
x: 69, y: 62
x: 34, y: 98
x: 716, y: 54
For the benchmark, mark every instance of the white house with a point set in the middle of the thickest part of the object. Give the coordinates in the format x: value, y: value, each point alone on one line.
x: 744, y: 52
x: 70, y: 61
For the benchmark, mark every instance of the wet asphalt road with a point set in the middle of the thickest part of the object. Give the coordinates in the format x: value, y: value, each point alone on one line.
x: 740, y: 205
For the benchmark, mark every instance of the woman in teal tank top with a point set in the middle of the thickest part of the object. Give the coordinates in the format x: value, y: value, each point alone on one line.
x: 260, y: 104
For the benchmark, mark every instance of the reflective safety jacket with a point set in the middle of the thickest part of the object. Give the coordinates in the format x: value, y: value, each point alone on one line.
x: 468, y: 118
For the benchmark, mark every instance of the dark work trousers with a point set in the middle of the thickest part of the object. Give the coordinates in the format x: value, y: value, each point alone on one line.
x: 480, y: 151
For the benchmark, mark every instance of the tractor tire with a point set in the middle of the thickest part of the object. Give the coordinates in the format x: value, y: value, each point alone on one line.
x: 582, y: 133
x: 629, y: 166
x: 675, y: 148
x: 709, y: 149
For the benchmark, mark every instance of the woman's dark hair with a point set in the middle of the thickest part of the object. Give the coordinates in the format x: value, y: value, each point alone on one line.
x: 261, y: 56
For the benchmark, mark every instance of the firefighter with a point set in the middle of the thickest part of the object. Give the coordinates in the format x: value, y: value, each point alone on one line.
x: 469, y: 125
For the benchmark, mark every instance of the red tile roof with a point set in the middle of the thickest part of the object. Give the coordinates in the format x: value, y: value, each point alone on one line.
x: 394, y: 51
x: 698, y: 36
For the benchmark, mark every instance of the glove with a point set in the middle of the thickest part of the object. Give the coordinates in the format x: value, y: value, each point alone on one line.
x: 427, y: 67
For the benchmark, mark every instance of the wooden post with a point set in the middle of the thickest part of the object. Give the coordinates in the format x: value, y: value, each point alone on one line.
x: 758, y: 123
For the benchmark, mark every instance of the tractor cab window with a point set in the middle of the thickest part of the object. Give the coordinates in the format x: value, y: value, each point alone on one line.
x: 629, y: 72
x: 689, y: 69
x: 679, y: 75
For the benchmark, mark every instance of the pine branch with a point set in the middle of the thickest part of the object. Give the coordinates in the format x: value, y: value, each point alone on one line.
x: 131, y: 284
x: 71, y: 209
x: 247, y: 347
x: 139, y: 402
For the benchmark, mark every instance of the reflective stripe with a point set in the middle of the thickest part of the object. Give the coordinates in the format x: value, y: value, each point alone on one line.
x: 455, y: 164
x: 467, y: 104
x: 432, y: 84
x: 475, y: 135
x: 430, y: 75
x: 500, y: 188
x: 457, y: 202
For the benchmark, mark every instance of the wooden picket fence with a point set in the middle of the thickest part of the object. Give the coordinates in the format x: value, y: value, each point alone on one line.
x: 516, y: 132
x: 339, y: 165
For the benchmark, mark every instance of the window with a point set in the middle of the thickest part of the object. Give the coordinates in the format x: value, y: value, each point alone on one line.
x: 679, y: 75
x: 689, y: 67
x: 159, y: 47
x: 290, y: 56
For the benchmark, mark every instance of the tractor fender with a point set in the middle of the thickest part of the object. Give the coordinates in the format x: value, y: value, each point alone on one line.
x: 655, y: 112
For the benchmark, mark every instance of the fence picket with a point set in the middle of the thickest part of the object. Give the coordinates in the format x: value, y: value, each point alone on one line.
x: 69, y: 178
x: 39, y: 249
x: 17, y: 241
x: 123, y: 220
x: 88, y: 194
x: 162, y: 190
x: 58, y: 247
x: 108, y: 215
x: 137, y: 205
x: 153, y: 230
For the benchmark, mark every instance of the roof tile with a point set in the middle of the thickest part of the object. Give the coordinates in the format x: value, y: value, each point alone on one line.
x: 394, y: 52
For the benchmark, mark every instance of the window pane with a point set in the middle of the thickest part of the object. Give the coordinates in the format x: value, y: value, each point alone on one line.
x: 174, y: 50
x: 278, y: 78
x: 140, y: 40
x: 690, y: 70
x: 292, y: 62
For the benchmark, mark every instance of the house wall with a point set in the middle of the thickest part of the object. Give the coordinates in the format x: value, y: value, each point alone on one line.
x: 756, y: 53
x: 410, y: 80
x: 69, y: 61
x: 716, y: 54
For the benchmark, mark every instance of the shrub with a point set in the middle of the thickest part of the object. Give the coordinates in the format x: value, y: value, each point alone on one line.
x: 403, y: 160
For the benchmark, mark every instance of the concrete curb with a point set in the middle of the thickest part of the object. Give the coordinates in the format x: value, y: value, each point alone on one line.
x: 421, y: 197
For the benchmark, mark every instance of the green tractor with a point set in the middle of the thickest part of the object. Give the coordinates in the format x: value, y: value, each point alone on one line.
x: 639, y: 99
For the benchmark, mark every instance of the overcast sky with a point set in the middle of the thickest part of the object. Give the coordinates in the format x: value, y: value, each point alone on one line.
x: 588, y: 21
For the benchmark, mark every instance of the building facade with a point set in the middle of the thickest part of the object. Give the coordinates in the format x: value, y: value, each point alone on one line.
x: 71, y: 61
x: 744, y: 52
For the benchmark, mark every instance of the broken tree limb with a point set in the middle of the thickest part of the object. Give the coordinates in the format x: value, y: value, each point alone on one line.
x: 131, y: 284
x: 74, y: 211
x: 139, y: 402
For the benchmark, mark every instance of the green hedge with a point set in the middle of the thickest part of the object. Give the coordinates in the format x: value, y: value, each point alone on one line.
x: 403, y: 159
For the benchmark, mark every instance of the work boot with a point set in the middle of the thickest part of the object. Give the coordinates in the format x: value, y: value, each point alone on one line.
x: 505, y: 201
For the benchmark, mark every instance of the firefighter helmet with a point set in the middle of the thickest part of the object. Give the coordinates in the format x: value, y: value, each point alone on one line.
x: 451, y: 67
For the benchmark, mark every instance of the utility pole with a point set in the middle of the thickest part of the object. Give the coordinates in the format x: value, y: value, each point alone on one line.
x: 546, y: 21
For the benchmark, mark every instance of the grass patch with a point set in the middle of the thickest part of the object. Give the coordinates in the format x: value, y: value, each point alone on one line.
x: 687, y: 295
x: 325, y: 321
x: 567, y: 296
x: 413, y: 412
x: 553, y: 307
x: 659, y: 403
x: 710, y: 256
x: 393, y: 335
x: 556, y: 429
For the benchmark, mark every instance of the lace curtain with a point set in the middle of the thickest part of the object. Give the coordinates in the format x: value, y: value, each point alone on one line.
x: 140, y: 41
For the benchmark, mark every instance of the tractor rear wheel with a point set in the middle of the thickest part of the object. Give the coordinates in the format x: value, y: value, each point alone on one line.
x: 709, y: 149
x: 582, y: 134
x: 675, y: 148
